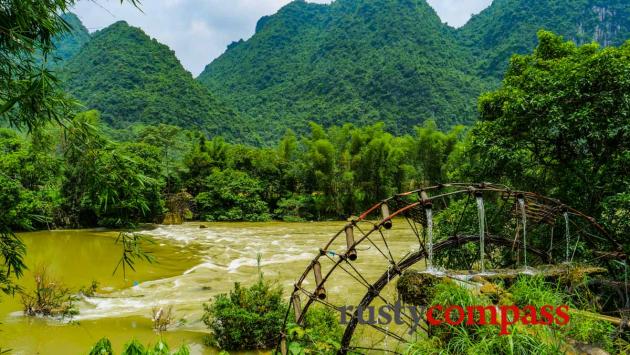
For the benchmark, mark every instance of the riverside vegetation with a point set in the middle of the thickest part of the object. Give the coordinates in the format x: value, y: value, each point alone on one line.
x: 541, y: 131
x: 557, y: 124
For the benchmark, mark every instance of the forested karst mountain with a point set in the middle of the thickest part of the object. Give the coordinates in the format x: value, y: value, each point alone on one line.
x: 508, y: 27
x: 69, y: 44
x: 132, y: 78
x: 392, y: 60
x: 356, y: 61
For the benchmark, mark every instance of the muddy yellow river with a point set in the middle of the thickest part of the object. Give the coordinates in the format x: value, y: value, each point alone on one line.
x: 193, y: 265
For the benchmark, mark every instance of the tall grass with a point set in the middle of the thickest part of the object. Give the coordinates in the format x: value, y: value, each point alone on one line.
x: 541, y: 340
x: 485, y: 339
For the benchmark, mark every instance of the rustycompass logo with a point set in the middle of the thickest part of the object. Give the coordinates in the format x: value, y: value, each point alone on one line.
x: 503, y: 316
x: 455, y: 315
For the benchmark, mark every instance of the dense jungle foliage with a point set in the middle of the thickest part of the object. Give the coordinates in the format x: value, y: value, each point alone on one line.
x: 391, y: 60
x: 87, y: 175
x: 559, y: 126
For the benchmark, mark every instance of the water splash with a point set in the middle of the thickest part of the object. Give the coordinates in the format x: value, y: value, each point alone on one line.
x: 438, y: 272
x: 528, y: 271
x: 521, y: 203
x: 482, y: 232
x: 567, y: 233
x: 429, y: 214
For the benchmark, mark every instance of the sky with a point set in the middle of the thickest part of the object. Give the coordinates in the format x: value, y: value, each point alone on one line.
x: 200, y: 30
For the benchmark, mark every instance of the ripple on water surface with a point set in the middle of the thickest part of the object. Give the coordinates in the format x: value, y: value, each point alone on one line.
x: 193, y: 264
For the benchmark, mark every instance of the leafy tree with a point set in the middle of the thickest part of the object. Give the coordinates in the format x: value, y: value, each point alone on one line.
x: 129, y: 185
x: 82, y: 144
x: 433, y: 149
x: 294, y: 208
x: 33, y: 171
x: 231, y: 195
x: 172, y: 144
x: 320, y: 157
x: 29, y: 92
x: 106, y: 183
x: 203, y: 158
x: 559, y: 126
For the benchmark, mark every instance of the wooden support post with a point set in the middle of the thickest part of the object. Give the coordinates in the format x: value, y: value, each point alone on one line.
x: 283, y: 345
x: 297, y: 307
x: 385, y: 213
x: 351, y: 253
x: 321, y: 291
x: 424, y: 198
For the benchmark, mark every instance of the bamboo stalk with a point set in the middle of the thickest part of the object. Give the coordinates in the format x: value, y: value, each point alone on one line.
x: 614, y: 320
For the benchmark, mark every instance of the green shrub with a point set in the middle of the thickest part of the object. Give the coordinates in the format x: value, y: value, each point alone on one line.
x: 426, y: 346
x: 294, y: 208
x: 321, y: 333
x: 534, y: 290
x: 591, y: 331
x: 89, y: 290
x: 102, y: 347
x: 247, y: 318
x: 231, y: 195
x: 134, y: 347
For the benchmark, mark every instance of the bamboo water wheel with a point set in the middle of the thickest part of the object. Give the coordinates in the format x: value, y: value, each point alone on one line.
x: 483, y: 229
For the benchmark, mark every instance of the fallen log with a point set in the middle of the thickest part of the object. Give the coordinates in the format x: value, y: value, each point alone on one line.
x: 415, y: 286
